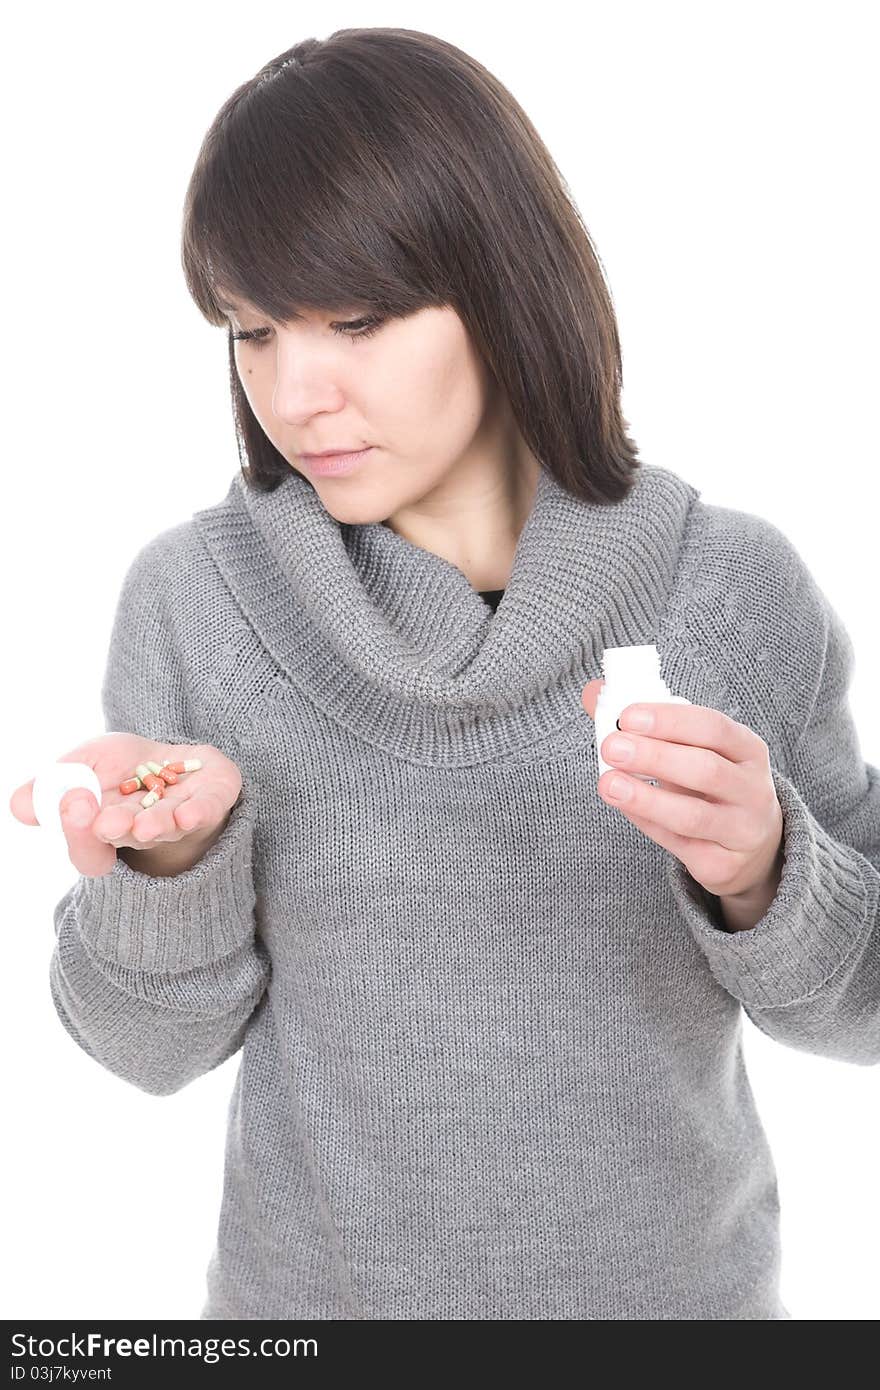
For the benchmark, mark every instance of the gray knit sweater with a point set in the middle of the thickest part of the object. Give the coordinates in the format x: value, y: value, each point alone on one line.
x: 491, y: 1033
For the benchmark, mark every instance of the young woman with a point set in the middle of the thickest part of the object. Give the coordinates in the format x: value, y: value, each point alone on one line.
x: 490, y: 1016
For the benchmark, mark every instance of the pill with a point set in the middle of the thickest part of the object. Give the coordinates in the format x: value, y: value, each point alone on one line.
x: 167, y: 775
x: 133, y: 784
x: 189, y: 765
x: 150, y: 799
x: 154, y: 783
x: 141, y: 771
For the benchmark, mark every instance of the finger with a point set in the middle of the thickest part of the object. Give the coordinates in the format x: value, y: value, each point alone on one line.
x: 692, y: 817
x: 700, y: 726
x: 113, y: 823
x: 192, y: 814
x: 122, y: 825
x: 590, y: 695
x: 21, y: 803
x: 679, y: 845
x: 203, y: 809
x: 698, y: 769
x: 87, y: 854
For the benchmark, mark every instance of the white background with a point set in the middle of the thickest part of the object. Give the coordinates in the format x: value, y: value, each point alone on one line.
x: 723, y: 159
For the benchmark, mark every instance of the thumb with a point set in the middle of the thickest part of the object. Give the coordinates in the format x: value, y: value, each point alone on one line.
x: 590, y: 694
x: 80, y: 808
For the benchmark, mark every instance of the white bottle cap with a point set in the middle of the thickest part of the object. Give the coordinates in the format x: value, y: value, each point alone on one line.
x: 632, y: 663
x: 51, y: 784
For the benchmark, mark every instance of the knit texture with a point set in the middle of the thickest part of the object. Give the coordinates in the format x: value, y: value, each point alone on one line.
x: 491, y: 1033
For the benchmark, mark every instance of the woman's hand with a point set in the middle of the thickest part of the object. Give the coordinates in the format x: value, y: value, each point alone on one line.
x: 717, y: 811
x: 190, y: 814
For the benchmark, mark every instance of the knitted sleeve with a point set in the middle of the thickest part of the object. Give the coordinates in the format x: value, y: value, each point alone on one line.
x: 156, y: 978
x: 808, y: 973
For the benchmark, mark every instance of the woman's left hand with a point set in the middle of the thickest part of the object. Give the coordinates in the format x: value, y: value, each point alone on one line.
x: 717, y: 811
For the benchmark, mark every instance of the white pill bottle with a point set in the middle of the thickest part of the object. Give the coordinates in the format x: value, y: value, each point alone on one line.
x: 632, y: 676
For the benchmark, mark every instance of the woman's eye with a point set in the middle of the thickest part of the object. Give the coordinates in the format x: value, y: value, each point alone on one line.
x: 366, y: 327
x: 355, y: 328
x: 255, y: 335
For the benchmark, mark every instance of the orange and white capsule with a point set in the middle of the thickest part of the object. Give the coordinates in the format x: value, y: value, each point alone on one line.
x: 167, y: 775
x: 188, y: 765
x: 147, y: 778
x: 133, y: 784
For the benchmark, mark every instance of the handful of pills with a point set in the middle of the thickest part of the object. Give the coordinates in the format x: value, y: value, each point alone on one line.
x: 54, y: 780
x: 156, y: 777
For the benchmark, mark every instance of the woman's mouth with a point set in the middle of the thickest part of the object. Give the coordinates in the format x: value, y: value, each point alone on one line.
x: 330, y: 465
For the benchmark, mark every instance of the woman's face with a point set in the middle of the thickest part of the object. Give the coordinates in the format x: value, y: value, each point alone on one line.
x: 415, y: 390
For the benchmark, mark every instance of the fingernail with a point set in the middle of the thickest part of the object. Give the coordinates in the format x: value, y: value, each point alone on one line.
x: 80, y: 813
x: 640, y: 718
x: 620, y: 788
x: 620, y: 750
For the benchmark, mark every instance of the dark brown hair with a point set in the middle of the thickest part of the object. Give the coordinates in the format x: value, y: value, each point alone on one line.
x: 386, y: 167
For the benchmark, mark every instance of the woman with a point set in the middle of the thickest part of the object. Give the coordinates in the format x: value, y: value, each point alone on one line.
x: 490, y: 1017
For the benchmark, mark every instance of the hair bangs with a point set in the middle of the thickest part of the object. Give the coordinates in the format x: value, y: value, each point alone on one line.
x: 290, y: 212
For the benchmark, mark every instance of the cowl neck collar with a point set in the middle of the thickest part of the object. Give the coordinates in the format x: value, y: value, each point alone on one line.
x: 395, y: 643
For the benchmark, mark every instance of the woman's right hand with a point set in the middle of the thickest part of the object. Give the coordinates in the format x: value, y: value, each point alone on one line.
x: 173, y: 833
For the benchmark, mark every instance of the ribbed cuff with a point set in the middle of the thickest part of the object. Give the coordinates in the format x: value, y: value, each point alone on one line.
x: 168, y: 925
x: 827, y: 896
